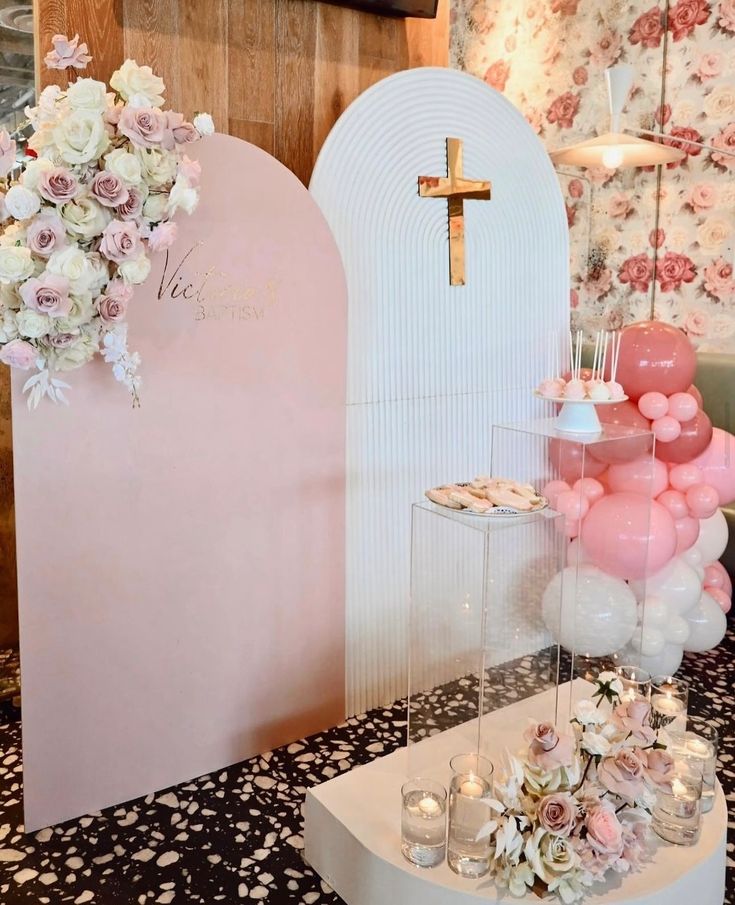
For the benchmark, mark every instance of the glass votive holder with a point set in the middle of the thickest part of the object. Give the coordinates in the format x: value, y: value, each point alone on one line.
x: 701, y: 741
x: 636, y: 683
x: 677, y: 814
x: 424, y: 822
x: 468, y: 850
x: 669, y: 699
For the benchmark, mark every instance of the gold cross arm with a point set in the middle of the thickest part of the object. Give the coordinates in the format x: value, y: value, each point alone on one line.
x: 456, y: 189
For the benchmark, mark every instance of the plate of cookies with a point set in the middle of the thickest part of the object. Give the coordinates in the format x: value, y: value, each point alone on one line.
x: 486, y: 496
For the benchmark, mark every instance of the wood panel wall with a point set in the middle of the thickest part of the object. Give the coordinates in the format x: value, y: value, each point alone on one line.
x: 277, y: 73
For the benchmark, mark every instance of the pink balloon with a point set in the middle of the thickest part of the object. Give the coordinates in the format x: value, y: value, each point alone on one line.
x: 715, y: 576
x: 682, y: 477
x: 572, y: 504
x: 655, y: 357
x: 644, y: 475
x: 682, y: 406
x: 552, y: 490
x: 625, y: 449
x: 629, y: 536
x: 703, y: 500
x: 591, y: 488
x: 571, y: 460
x: 687, y: 533
x: 675, y: 502
x: 718, y: 465
x: 666, y: 429
x: 693, y: 391
x: 694, y: 438
x: 722, y: 599
x: 653, y: 405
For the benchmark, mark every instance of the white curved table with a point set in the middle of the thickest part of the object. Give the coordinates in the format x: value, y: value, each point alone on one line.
x: 352, y: 836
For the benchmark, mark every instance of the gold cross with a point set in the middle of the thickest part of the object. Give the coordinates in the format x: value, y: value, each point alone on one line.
x: 456, y: 189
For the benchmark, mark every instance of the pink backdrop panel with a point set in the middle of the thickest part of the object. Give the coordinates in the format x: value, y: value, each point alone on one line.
x: 181, y: 566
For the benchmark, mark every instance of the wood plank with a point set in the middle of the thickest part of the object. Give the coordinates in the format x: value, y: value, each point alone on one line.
x: 203, y: 50
x: 252, y: 60
x: 336, y: 75
x: 150, y: 29
x: 427, y: 40
x: 260, y: 134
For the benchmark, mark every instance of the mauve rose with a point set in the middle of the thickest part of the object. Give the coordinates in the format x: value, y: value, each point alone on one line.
x: 563, y: 110
x: 647, y: 30
x: 112, y: 309
x: 58, y: 185
x: 718, y: 280
x: 61, y: 340
x: 46, y: 234
x: 604, y: 831
x: 67, y: 53
x: 120, y: 241
x: 658, y: 766
x: 673, y: 270
x: 18, y: 354
x: 144, y: 126
x: 47, y: 294
x: 710, y: 66
x: 622, y: 774
x: 497, y: 74
x: 558, y: 813
x: 163, y: 236
x: 685, y: 15
x: 635, y: 718
x: 637, y: 271
x: 547, y: 749
x: 183, y: 132
x: 109, y: 189
x: 133, y: 207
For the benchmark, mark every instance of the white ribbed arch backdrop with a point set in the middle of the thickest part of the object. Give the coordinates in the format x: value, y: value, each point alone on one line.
x: 431, y: 366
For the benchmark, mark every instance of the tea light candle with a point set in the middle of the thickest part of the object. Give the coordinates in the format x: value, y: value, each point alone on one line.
x: 666, y: 704
x: 471, y: 788
x: 699, y: 748
x: 636, y: 683
x: 429, y: 807
x: 669, y: 703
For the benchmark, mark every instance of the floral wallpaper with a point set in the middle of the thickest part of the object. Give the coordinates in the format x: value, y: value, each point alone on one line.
x: 642, y: 241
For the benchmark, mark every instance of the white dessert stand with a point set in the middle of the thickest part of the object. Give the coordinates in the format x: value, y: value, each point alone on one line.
x: 578, y: 416
x: 353, y: 835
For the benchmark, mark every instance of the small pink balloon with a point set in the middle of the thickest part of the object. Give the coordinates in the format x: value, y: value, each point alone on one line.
x: 653, y: 405
x: 716, y: 574
x: 644, y: 475
x: 589, y: 488
x: 718, y: 465
x: 552, y: 490
x: 687, y: 533
x: 722, y: 599
x: 572, y: 504
x: 682, y: 406
x: 666, y: 429
x: 703, y: 500
x: 675, y: 502
x: 682, y: 477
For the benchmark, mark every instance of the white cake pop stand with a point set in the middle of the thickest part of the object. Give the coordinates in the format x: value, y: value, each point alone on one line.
x: 578, y: 416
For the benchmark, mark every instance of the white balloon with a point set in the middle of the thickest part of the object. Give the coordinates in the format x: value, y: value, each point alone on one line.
x: 677, y: 583
x: 664, y: 664
x: 712, y: 540
x: 648, y: 641
x: 707, y: 625
x: 653, y: 612
x: 598, y: 611
x: 692, y: 557
x: 676, y: 630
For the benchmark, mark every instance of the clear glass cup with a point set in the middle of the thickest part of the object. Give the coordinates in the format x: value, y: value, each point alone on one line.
x: 669, y: 701
x: 636, y: 683
x: 677, y: 814
x: 424, y: 822
x: 468, y: 848
x: 700, y: 740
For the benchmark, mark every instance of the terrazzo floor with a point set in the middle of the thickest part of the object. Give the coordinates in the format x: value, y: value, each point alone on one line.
x: 236, y: 835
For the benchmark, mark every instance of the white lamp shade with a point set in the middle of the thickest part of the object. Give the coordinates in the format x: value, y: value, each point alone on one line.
x: 616, y: 149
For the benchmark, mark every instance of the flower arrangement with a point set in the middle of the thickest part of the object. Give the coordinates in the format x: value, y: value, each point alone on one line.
x: 575, y: 806
x: 104, y: 175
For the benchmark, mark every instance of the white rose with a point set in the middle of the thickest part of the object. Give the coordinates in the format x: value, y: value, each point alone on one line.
x: 100, y: 272
x: 87, y: 94
x: 44, y: 112
x: 722, y: 326
x: 154, y: 208
x: 77, y: 354
x: 131, y: 80
x: 594, y: 743
x: 33, y: 170
x: 13, y: 233
x: 16, y: 263
x: 204, y: 124
x: 710, y: 235
x: 10, y: 297
x: 81, y: 136
x: 22, y: 203
x: 588, y: 714
x: 31, y: 324
x: 8, y: 327
x: 136, y: 270
x: 719, y: 104
x: 158, y: 167
x: 124, y: 165
x: 182, y: 196
x: 84, y: 217
x: 76, y: 266
x: 81, y: 312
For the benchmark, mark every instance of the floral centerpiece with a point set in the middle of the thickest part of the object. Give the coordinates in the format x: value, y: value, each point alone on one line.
x: 105, y: 172
x: 575, y: 806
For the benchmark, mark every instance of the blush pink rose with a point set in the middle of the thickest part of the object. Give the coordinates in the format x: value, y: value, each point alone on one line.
x: 658, y: 766
x: 563, y: 110
x: 618, y: 205
x: 622, y: 774
x: 46, y: 234
x: 58, y: 185
x: 120, y: 241
x: 67, y: 53
x: 7, y: 153
x: 656, y: 238
x: 579, y: 76
x: 673, y: 270
x: 725, y: 140
x: 109, y: 189
x: 48, y: 294
x: 144, y: 126
x: 604, y: 831
x: 133, y: 207
x: 718, y: 280
x: 647, y: 30
x: 685, y: 15
x: 598, y: 282
x: 112, y: 309
x: 702, y: 197
x: 163, y: 236
x: 606, y: 49
x: 637, y: 271
x: 696, y: 323
x: 558, y: 813
x: 726, y: 15
x: 18, y: 354
x: 497, y: 74
x: 635, y: 718
x: 548, y: 749
x: 709, y: 66
x: 181, y: 131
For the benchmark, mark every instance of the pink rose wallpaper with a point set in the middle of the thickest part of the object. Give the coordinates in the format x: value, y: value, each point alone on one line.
x: 640, y: 242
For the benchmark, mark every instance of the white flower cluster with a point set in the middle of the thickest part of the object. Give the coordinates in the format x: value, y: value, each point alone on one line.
x: 109, y: 174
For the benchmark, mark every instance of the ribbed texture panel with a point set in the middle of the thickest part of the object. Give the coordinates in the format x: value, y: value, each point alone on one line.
x: 431, y: 367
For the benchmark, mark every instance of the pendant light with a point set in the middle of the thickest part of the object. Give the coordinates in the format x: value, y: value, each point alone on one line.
x: 615, y: 148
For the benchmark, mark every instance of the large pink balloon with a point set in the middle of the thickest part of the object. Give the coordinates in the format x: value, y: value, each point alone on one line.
x: 694, y: 437
x: 717, y: 464
x: 655, y: 357
x: 687, y: 533
x: 569, y: 459
x: 622, y: 414
x: 620, y: 539
x: 715, y: 576
x: 644, y: 475
x: 682, y: 477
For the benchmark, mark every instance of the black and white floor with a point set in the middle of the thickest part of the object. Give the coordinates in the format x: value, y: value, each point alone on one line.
x: 236, y: 835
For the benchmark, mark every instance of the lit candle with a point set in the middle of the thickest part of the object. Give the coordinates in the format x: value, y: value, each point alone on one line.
x: 699, y: 748
x: 471, y: 788
x: 679, y: 790
x: 667, y: 705
x: 429, y: 807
